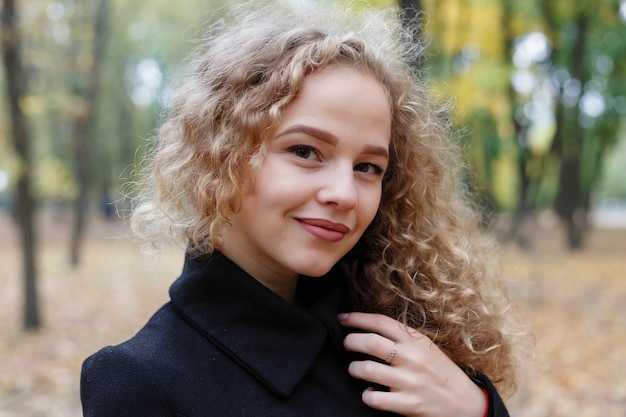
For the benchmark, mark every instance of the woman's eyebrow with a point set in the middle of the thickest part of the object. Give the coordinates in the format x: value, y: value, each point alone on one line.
x: 331, y: 139
x: 311, y: 131
x: 376, y: 150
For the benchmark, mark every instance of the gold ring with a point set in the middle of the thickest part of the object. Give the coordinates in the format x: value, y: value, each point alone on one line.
x: 392, y: 354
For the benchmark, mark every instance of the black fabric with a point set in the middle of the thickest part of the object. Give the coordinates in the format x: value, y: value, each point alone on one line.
x: 225, y: 345
x: 496, y: 405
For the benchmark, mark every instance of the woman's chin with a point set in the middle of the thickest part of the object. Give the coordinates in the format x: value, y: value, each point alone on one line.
x: 315, y: 270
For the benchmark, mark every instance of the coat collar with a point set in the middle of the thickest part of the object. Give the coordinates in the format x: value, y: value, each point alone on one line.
x: 275, y: 341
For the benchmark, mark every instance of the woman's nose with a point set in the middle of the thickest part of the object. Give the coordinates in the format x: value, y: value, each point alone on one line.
x: 339, y: 188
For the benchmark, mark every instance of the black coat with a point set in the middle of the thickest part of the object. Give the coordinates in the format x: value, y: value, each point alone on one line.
x: 225, y: 345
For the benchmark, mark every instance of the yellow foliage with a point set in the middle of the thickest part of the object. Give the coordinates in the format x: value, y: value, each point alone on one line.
x: 541, y: 135
x: 53, y: 181
x: 486, y: 18
x: 32, y: 105
x: 484, y: 86
x: 449, y: 16
x: 456, y: 23
x: 504, y: 178
x: 470, y: 36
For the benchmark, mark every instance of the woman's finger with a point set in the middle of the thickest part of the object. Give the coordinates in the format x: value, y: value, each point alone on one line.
x: 378, y: 323
x: 396, y: 379
x: 397, y: 402
x: 372, y: 344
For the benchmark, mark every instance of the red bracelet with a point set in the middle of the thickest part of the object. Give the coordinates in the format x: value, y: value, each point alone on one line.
x: 486, y: 402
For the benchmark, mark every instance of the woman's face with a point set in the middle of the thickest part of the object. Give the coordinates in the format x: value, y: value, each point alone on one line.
x: 319, y: 185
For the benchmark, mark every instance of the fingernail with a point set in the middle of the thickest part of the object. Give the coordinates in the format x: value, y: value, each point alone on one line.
x: 342, y: 316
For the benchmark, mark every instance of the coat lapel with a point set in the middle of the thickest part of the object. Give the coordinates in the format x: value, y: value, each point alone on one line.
x: 273, y: 340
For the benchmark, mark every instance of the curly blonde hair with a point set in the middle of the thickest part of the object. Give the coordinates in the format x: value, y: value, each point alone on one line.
x: 423, y: 259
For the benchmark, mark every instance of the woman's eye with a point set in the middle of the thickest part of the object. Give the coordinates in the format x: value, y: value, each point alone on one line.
x: 304, y: 152
x: 369, y: 168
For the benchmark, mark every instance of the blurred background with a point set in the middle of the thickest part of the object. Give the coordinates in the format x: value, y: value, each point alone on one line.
x: 539, y: 89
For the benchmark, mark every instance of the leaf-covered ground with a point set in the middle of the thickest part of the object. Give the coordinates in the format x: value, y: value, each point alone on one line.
x: 574, y: 303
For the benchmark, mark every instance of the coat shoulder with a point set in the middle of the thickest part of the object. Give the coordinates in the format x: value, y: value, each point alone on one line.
x: 128, y: 379
x: 114, y: 381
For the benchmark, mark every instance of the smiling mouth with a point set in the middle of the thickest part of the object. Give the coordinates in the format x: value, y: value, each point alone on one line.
x: 324, y: 229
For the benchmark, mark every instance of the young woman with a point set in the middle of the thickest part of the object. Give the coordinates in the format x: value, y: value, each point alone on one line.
x: 331, y: 267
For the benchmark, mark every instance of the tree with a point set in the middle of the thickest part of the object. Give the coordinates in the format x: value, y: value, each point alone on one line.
x: 84, y: 125
x: 547, y: 141
x: 568, y: 139
x: 526, y: 159
x: 16, y: 91
x: 469, y: 62
x: 583, y: 60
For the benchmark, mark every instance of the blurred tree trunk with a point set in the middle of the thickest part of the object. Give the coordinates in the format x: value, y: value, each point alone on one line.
x: 16, y: 89
x: 84, y: 127
x: 525, y: 205
x: 570, y: 203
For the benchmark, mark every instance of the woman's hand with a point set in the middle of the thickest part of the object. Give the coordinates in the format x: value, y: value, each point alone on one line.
x: 422, y: 380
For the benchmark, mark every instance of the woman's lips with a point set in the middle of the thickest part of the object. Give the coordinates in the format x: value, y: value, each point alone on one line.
x: 324, y: 229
